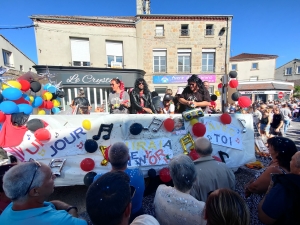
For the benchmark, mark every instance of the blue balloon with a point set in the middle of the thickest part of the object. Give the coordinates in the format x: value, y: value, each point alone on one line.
x: 25, y: 108
x: 26, y: 97
x: 37, y: 102
x: 46, y: 86
x: 55, y: 110
x: 51, y: 89
x: 12, y: 93
x: 9, y: 107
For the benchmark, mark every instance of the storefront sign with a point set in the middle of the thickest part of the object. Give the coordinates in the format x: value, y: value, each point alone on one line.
x: 88, y: 79
x: 175, y: 79
x: 263, y: 92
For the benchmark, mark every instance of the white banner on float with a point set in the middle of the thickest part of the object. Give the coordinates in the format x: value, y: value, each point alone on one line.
x: 149, y: 152
x: 63, y: 142
x: 224, y: 135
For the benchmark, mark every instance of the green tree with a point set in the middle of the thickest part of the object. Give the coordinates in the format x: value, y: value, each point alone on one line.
x: 297, y: 90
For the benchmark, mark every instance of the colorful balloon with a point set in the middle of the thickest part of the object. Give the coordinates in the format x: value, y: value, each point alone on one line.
x: 135, y: 128
x: 233, y: 83
x: 90, y: 145
x: 199, y: 129
x: 48, y: 104
x: 225, y: 118
x: 86, y: 124
x: 244, y: 101
x: 31, y: 98
x: 25, y: 85
x: 89, y: 178
x: 193, y: 121
x: 56, y: 103
x: 164, y: 175
x: 42, y: 134
x: 37, y: 102
x: 47, y: 96
x: 232, y: 74
x: 235, y: 96
x: 25, y: 108
x: 35, y: 86
x: 41, y: 112
x: 12, y: 83
x: 55, y: 110
x: 9, y: 107
x: 12, y: 93
x: 2, y: 117
x: 51, y: 89
x: 169, y: 124
x: 217, y: 93
x: 35, y: 124
x: 87, y: 164
x: 213, y: 97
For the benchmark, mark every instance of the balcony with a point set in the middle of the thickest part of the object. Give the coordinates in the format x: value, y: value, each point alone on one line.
x: 184, y: 69
x: 159, y: 33
x: 209, y: 32
x: 184, y: 32
x: 206, y: 69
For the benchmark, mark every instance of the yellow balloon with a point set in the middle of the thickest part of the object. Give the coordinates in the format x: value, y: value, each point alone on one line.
x: 47, y: 96
x: 41, y: 112
x: 86, y: 124
x: 12, y: 83
x: 217, y: 93
x: 193, y: 121
x: 31, y: 98
x: 56, y: 103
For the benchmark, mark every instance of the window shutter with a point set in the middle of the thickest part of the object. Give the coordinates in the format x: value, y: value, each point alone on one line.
x: 114, y: 48
x: 80, y: 50
x: 159, y: 53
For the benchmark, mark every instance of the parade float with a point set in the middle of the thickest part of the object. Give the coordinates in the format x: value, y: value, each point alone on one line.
x: 76, y: 146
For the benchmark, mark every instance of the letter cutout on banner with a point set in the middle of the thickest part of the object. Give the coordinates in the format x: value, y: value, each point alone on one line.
x: 104, y: 127
x: 187, y: 139
x: 57, y: 163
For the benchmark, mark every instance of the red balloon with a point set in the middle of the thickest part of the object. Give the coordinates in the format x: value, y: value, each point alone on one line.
x: 244, y: 101
x: 169, y: 124
x: 199, y: 129
x: 220, y: 85
x: 22, y: 100
x: 164, y: 175
x: 48, y: 104
x: 194, y: 155
x: 42, y: 134
x: 87, y: 164
x: 225, y: 118
x: 217, y: 158
x: 42, y: 105
x: 2, y: 117
x: 233, y: 83
x: 25, y: 85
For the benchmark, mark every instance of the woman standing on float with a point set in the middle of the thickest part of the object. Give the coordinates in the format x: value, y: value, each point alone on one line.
x: 118, y: 99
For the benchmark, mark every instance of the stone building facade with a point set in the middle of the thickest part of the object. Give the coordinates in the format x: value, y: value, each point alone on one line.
x: 290, y: 71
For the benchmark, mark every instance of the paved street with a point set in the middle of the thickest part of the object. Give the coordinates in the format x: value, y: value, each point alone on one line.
x: 294, y: 133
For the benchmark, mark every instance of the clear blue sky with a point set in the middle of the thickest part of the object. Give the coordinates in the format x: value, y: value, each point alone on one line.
x: 259, y: 26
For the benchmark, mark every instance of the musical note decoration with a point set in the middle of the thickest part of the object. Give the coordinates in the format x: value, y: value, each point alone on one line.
x: 104, y: 128
x: 222, y: 155
x: 104, y: 162
x: 155, y: 121
x: 57, y: 163
x: 185, y: 140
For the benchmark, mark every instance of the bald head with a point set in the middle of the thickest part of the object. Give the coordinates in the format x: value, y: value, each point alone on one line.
x: 203, y: 146
x: 118, y: 156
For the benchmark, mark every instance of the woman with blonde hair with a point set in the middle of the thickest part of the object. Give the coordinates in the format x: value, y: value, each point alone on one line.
x: 226, y: 207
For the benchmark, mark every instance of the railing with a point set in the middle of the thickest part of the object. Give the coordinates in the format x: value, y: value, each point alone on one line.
x: 208, y: 69
x: 184, y: 32
x: 184, y: 69
x: 209, y: 32
x: 159, y: 33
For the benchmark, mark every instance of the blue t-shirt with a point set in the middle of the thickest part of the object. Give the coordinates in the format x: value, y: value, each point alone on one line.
x: 46, y: 215
x: 137, y: 181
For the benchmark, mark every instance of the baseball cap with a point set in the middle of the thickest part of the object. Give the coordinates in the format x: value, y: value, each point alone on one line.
x: 145, y: 220
x: 179, y: 91
x: 168, y: 97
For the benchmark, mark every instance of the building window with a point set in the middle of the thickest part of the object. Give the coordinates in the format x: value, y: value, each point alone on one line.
x: 211, y: 90
x: 21, y: 68
x: 209, y: 31
x: 184, y: 60
x: 114, y: 53
x: 288, y: 71
x: 160, y: 61
x: 208, y: 60
x: 298, y: 69
x: 159, y: 31
x: 254, y: 66
x: 80, y: 48
x: 234, y: 67
x: 184, y: 30
x: 7, y: 58
x: 255, y: 78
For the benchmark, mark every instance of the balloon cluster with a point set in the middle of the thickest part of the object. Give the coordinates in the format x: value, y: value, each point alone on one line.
x: 50, y: 99
x: 243, y: 101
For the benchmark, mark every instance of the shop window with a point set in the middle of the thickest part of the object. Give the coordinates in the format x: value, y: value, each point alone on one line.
x: 80, y: 48
x: 114, y: 52
x: 288, y: 71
